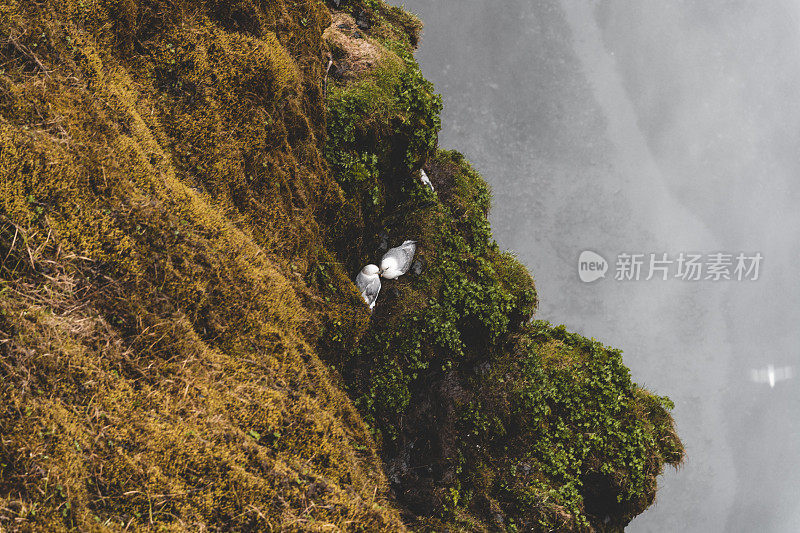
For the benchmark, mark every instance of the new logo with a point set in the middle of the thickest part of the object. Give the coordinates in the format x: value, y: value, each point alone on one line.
x: 591, y: 266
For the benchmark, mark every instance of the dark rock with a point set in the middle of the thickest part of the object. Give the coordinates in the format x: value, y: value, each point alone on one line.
x: 417, y: 266
x: 421, y: 497
x: 362, y: 20
x: 337, y: 71
x: 384, y: 245
x: 357, y: 35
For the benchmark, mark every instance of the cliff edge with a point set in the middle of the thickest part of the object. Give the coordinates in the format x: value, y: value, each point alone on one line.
x: 187, y: 190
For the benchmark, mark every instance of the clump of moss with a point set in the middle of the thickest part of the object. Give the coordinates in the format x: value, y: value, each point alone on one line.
x: 577, y: 436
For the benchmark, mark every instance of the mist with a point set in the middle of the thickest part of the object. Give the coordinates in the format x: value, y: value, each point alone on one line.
x: 646, y: 126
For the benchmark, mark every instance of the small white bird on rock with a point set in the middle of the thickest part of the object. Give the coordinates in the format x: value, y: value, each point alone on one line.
x: 423, y: 177
x: 397, y: 261
x: 368, y: 282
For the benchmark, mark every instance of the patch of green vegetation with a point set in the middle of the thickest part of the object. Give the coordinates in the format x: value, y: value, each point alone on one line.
x: 576, y: 434
x: 547, y: 424
x: 380, y: 128
x: 463, y: 304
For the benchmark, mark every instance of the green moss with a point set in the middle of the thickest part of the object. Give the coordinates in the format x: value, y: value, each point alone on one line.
x: 462, y: 305
x: 380, y: 128
x: 589, y: 440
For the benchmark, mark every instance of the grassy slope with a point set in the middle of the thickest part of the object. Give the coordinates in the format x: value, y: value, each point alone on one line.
x: 180, y: 216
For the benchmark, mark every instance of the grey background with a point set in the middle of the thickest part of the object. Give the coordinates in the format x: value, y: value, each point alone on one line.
x: 651, y: 126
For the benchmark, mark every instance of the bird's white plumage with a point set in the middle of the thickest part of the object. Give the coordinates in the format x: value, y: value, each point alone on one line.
x: 368, y: 282
x: 423, y: 177
x: 771, y: 374
x: 397, y: 261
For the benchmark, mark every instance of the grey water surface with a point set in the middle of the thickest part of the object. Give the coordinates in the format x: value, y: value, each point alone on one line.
x: 646, y: 126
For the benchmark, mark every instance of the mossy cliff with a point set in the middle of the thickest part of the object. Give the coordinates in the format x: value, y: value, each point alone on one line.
x: 187, y: 189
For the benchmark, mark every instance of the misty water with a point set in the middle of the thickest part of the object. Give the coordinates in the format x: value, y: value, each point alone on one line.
x: 646, y: 126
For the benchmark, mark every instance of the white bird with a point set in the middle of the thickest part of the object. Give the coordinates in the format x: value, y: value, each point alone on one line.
x: 423, y: 177
x: 771, y: 374
x: 368, y: 282
x: 397, y: 261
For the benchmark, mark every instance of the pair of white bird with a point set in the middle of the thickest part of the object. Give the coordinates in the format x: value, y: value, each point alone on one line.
x: 394, y: 264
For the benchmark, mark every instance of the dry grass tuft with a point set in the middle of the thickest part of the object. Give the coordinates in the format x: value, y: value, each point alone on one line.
x: 355, y: 52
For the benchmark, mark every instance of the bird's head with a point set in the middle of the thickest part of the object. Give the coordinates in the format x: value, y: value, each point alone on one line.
x: 387, y: 265
x: 370, y: 270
